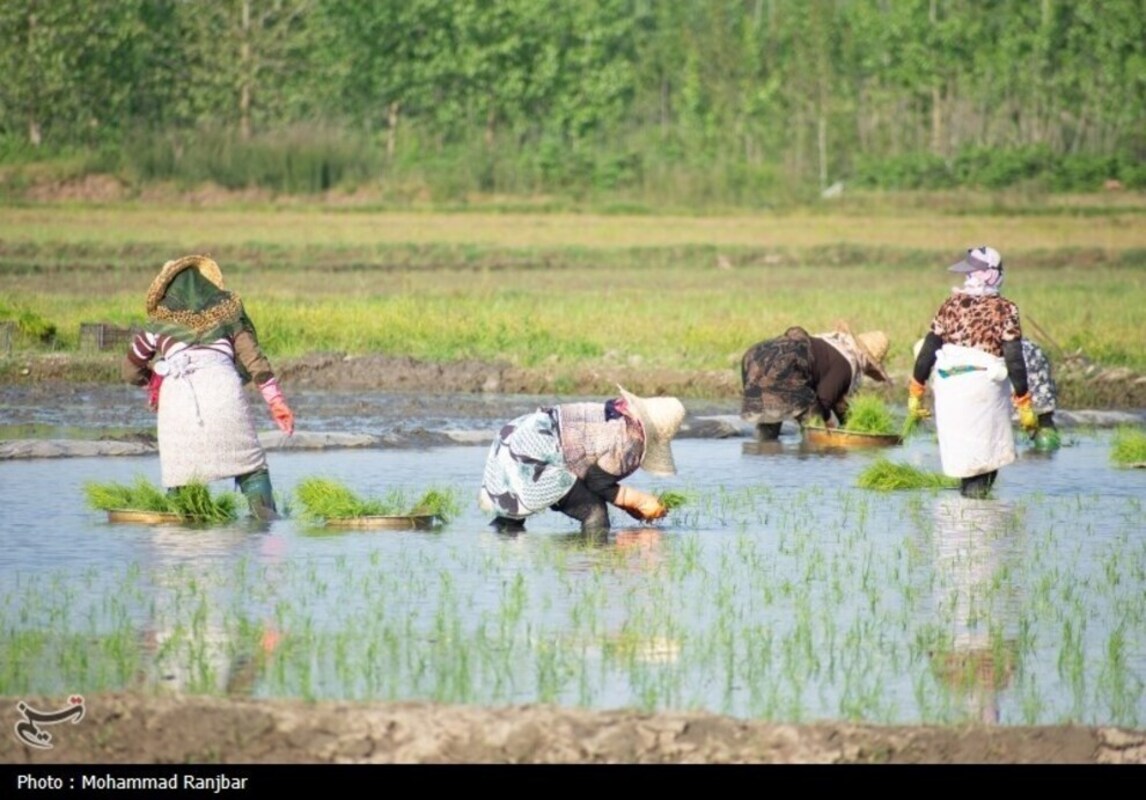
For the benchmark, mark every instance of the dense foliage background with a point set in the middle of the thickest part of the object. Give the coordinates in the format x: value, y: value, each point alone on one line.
x: 707, y: 102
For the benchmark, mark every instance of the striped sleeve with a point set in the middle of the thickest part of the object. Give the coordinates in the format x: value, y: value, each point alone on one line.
x: 136, y: 366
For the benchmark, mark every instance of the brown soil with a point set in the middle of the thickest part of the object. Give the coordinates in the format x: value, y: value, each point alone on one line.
x: 1081, y: 383
x: 120, y: 729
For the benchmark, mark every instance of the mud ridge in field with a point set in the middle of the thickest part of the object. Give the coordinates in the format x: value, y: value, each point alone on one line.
x: 139, y: 729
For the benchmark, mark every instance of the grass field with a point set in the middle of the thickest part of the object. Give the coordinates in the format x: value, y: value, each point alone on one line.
x: 671, y: 292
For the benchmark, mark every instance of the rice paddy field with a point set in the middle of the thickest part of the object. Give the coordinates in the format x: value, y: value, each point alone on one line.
x: 777, y: 589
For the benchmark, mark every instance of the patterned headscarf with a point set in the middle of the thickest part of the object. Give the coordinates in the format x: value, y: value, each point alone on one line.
x: 981, y: 282
x: 983, y: 267
x: 188, y: 303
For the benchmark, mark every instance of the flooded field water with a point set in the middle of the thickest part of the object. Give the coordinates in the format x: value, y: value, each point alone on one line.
x: 779, y: 591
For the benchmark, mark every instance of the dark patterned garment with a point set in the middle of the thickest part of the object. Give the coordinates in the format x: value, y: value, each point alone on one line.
x: 980, y: 321
x: 777, y: 377
x: 1040, y: 381
x: 793, y: 375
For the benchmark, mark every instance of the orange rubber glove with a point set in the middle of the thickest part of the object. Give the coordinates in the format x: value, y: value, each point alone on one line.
x: 639, y: 505
x: 1028, y: 419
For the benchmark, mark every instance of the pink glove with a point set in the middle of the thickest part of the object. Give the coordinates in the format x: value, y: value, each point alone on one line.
x: 153, y: 385
x: 281, y: 412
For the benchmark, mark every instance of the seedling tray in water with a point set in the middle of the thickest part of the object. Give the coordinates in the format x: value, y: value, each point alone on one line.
x: 400, y: 522
x: 145, y: 517
x: 834, y: 437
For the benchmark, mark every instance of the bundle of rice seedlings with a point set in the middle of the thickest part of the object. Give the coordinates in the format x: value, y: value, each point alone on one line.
x: 671, y: 499
x: 193, y: 501
x: 867, y: 413
x: 324, y: 499
x: 909, y: 426
x: 436, y: 502
x: 1128, y: 447
x: 885, y: 476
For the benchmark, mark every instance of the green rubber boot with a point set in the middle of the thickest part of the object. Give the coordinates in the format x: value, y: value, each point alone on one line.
x: 1047, y: 439
x: 256, y: 487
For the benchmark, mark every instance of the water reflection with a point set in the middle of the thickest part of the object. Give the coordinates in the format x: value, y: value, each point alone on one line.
x: 189, y: 641
x: 633, y: 557
x: 974, y: 543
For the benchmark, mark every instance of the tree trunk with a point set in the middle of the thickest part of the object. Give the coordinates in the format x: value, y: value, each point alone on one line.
x: 822, y: 144
x: 490, y: 127
x: 245, y: 76
x: 937, y: 120
x: 35, y: 133
x: 392, y: 129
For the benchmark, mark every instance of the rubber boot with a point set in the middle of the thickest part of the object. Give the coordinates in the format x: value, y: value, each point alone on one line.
x: 1047, y: 437
x: 508, y: 525
x: 256, y: 487
x: 768, y: 431
x: 586, y: 506
x: 978, y: 486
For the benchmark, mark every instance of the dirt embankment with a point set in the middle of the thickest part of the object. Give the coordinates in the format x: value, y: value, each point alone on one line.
x: 118, y: 729
x: 1081, y: 384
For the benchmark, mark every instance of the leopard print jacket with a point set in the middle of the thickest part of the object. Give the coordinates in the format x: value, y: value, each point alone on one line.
x: 983, y: 322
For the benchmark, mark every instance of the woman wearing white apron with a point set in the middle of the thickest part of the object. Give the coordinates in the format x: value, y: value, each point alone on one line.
x: 975, y: 348
x: 198, y: 350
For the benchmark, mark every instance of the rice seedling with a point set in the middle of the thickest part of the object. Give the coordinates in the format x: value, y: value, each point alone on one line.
x: 325, y: 499
x: 910, y: 425
x: 886, y: 476
x: 442, y: 503
x: 868, y: 413
x: 672, y: 499
x: 1128, y: 446
x: 193, y: 501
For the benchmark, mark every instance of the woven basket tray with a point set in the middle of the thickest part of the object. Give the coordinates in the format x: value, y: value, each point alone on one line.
x: 836, y: 438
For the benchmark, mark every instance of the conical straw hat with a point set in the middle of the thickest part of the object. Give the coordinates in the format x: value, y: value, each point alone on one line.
x: 661, y: 418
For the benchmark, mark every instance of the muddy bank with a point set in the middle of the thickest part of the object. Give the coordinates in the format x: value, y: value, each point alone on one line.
x: 1082, y: 384
x: 122, y: 728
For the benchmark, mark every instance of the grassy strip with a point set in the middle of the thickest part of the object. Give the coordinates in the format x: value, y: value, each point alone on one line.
x: 193, y: 501
x: 701, y: 319
x: 324, y: 498
x: 886, y: 476
x: 1128, y: 446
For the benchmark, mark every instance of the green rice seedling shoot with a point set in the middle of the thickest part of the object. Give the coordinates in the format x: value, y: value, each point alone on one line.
x: 885, y: 476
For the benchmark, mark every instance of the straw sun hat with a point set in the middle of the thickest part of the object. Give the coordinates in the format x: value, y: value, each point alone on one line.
x: 661, y: 418
x: 873, y: 347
